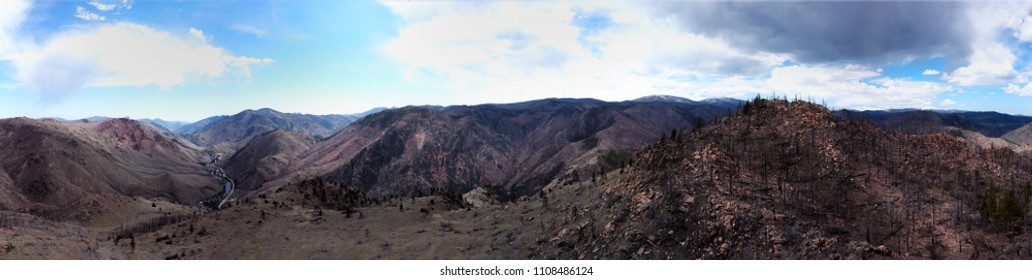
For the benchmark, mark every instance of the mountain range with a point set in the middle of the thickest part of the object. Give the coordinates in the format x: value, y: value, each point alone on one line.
x: 514, y: 149
x: 656, y: 177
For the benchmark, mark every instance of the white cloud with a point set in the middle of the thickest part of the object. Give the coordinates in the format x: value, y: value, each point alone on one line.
x: 490, y: 52
x: 992, y: 61
x: 249, y: 29
x: 947, y: 102
x: 930, y: 72
x: 119, y: 54
x: 198, y: 34
x: 490, y: 40
x: 853, y: 86
x: 662, y: 47
x: 12, y: 14
x: 491, y: 49
x: 1019, y: 90
x: 1022, y: 26
x: 102, y: 6
x: 125, y: 54
x: 86, y: 15
x: 419, y: 10
x: 111, y: 5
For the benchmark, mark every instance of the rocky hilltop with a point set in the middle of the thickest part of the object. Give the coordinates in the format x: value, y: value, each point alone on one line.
x: 789, y: 180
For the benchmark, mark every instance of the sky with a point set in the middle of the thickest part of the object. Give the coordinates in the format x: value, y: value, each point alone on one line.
x: 187, y: 60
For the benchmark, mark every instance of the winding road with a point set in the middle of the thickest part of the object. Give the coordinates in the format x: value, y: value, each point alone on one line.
x: 219, y: 174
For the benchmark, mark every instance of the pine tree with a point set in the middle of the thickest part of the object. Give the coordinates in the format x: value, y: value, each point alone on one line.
x: 1009, y: 209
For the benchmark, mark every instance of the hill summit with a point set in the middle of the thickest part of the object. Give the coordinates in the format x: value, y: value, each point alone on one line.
x: 784, y: 179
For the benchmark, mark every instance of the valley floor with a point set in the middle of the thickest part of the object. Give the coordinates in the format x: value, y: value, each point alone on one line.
x: 280, y: 227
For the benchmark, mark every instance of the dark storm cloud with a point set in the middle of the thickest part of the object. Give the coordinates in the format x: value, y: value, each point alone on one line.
x: 832, y: 31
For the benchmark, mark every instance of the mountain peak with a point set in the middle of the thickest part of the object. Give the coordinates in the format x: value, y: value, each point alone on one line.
x: 720, y: 100
x: 260, y: 111
x: 135, y: 135
x: 664, y: 98
x: 234, y: 131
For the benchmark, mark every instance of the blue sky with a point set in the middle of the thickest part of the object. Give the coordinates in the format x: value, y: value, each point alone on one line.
x: 186, y: 60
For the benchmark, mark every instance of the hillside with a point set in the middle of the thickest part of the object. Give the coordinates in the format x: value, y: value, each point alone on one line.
x: 57, y: 170
x: 789, y: 180
x: 142, y: 138
x: 513, y: 149
x: 264, y: 157
x: 1020, y: 136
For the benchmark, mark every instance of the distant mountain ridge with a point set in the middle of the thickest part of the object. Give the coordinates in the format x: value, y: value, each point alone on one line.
x: 664, y: 98
x: 991, y: 124
x: 228, y: 133
x: 171, y: 126
x: 719, y: 101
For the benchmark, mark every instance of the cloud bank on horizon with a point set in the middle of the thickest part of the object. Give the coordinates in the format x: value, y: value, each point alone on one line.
x: 864, y: 55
